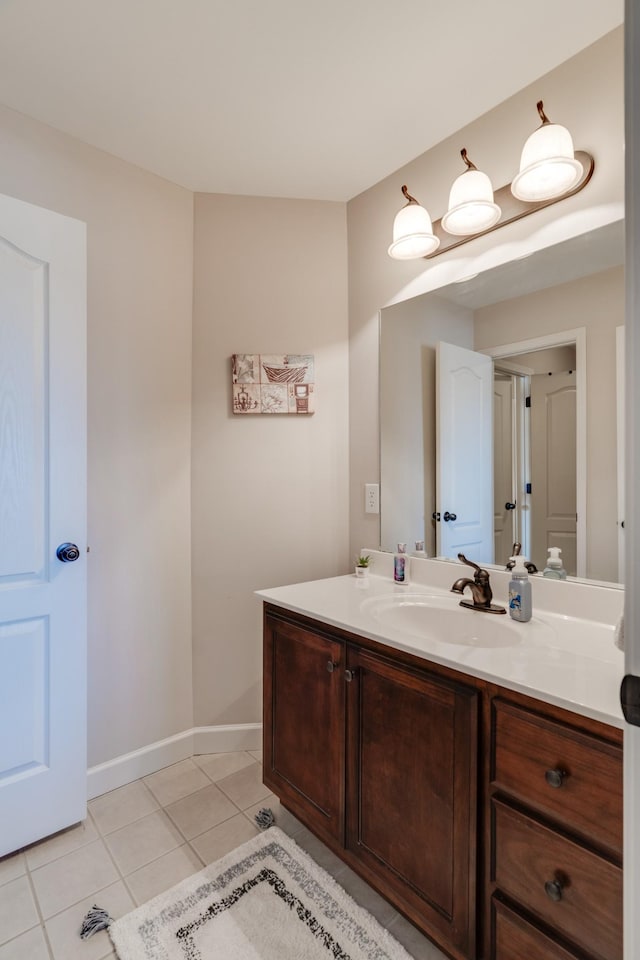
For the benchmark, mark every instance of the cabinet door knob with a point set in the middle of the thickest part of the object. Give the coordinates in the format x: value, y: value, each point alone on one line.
x: 349, y: 675
x: 553, y: 889
x: 555, y: 778
x: 331, y: 666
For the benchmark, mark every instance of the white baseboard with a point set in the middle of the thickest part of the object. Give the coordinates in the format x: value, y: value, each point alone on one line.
x: 140, y: 763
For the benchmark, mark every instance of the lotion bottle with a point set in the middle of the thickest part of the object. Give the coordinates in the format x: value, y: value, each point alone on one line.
x: 401, y: 564
x: 519, y: 591
x: 554, y: 569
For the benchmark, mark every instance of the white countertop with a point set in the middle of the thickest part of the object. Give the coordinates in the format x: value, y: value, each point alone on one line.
x: 563, y: 660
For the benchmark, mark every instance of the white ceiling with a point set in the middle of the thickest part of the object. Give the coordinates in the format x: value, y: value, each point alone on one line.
x: 290, y: 98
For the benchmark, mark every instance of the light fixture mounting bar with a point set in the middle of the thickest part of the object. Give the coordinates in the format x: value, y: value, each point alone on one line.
x: 512, y: 208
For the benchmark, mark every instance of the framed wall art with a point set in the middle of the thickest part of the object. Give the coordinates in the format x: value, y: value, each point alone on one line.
x: 273, y: 383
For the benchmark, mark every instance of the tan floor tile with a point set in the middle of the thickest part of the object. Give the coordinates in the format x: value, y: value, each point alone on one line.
x: 163, y: 873
x: 64, y: 929
x: 413, y: 941
x: 201, y: 811
x: 245, y: 787
x: 71, y: 878
x: 143, y: 841
x: 222, y: 839
x: 12, y: 867
x: 121, y: 807
x: 60, y: 844
x: 176, y: 781
x: 366, y: 896
x: 28, y: 946
x: 320, y: 853
x: 257, y: 755
x: 283, y: 819
x: 17, y: 909
x: 220, y: 765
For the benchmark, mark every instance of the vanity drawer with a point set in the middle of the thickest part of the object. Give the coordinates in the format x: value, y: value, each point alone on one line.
x: 516, y: 939
x: 573, y: 777
x: 568, y: 887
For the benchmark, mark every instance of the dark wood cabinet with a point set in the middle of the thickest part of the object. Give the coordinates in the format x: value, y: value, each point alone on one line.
x: 411, y: 775
x: 555, y: 831
x: 304, y: 748
x: 489, y: 819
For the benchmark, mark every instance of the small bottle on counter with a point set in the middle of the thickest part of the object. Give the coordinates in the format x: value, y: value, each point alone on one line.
x: 519, y: 591
x: 419, y: 550
x: 554, y: 569
x: 401, y: 564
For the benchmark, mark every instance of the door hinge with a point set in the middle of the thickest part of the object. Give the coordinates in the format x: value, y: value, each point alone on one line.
x: 527, y: 488
x: 630, y: 699
x: 527, y: 401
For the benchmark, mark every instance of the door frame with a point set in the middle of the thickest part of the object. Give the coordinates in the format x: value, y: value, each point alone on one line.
x: 632, y: 472
x: 577, y: 338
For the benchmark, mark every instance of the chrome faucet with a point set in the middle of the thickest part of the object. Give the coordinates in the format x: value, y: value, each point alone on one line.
x: 480, y: 589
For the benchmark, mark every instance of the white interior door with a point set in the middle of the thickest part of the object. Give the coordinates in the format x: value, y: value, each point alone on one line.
x: 464, y: 483
x: 504, y: 515
x: 620, y: 447
x: 42, y: 505
x: 553, y: 468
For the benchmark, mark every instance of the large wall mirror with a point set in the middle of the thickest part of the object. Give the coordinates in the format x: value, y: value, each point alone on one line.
x: 500, y: 411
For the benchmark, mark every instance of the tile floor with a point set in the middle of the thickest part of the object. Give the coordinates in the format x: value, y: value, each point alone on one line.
x: 142, y: 839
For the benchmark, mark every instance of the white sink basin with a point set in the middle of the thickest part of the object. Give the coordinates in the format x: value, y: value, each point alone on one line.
x: 441, y: 618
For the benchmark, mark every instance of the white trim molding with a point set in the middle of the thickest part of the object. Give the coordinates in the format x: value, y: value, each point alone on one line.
x: 154, y: 756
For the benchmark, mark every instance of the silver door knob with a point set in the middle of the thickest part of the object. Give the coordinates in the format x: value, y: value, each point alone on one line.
x: 67, y: 552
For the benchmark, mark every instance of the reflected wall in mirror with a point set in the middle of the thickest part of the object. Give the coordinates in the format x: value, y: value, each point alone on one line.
x: 566, y: 297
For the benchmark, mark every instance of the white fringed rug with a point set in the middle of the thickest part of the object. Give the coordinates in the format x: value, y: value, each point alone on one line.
x: 267, y: 900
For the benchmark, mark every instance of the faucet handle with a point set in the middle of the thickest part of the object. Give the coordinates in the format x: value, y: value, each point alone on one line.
x: 479, y: 572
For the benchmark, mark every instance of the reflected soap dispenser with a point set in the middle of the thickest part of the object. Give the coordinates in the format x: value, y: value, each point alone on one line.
x: 554, y: 569
x: 419, y: 550
x: 401, y: 564
x: 520, y: 591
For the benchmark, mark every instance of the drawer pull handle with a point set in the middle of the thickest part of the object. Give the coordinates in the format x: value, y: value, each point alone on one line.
x: 553, y: 889
x: 555, y: 778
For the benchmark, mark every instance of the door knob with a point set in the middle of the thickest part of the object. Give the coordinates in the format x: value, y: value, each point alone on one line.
x: 67, y: 552
x: 450, y: 516
x: 435, y: 515
x: 509, y: 506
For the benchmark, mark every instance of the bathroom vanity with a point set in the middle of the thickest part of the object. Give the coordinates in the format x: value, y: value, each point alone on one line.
x: 468, y: 767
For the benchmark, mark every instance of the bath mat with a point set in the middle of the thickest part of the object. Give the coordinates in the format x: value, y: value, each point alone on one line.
x: 267, y: 900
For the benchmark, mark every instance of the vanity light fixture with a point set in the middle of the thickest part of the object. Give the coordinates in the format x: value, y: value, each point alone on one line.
x: 471, y: 205
x: 413, y: 235
x: 548, y: 167
x: 550, y: 171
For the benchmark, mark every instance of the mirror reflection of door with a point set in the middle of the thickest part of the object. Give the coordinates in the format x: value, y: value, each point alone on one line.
x: 535, y: 488
x: 505, y: 527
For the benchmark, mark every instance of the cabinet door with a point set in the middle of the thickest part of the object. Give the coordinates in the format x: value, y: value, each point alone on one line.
x: 304, y: 724
x: 411, y: 783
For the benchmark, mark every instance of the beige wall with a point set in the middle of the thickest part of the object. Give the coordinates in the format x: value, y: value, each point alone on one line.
x: 585, y: 93
x: 270, y: 493
x: 140, y: 239
x: 597, y: 304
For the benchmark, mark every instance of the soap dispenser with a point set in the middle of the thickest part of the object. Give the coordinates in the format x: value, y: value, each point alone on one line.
x: 554, y: 569
x: 419, y: 550
x: 519, y: 591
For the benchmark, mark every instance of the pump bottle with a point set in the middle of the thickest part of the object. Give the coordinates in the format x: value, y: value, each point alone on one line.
x: 520, y: 591
x: 554, y: 569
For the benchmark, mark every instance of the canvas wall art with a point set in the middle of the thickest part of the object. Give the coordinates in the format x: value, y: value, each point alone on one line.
x: 273, y: 383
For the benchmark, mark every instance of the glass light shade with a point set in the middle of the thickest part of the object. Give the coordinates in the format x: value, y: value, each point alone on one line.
x: 471, y: 207
x: 413, y: 235
x: 548, y: 167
